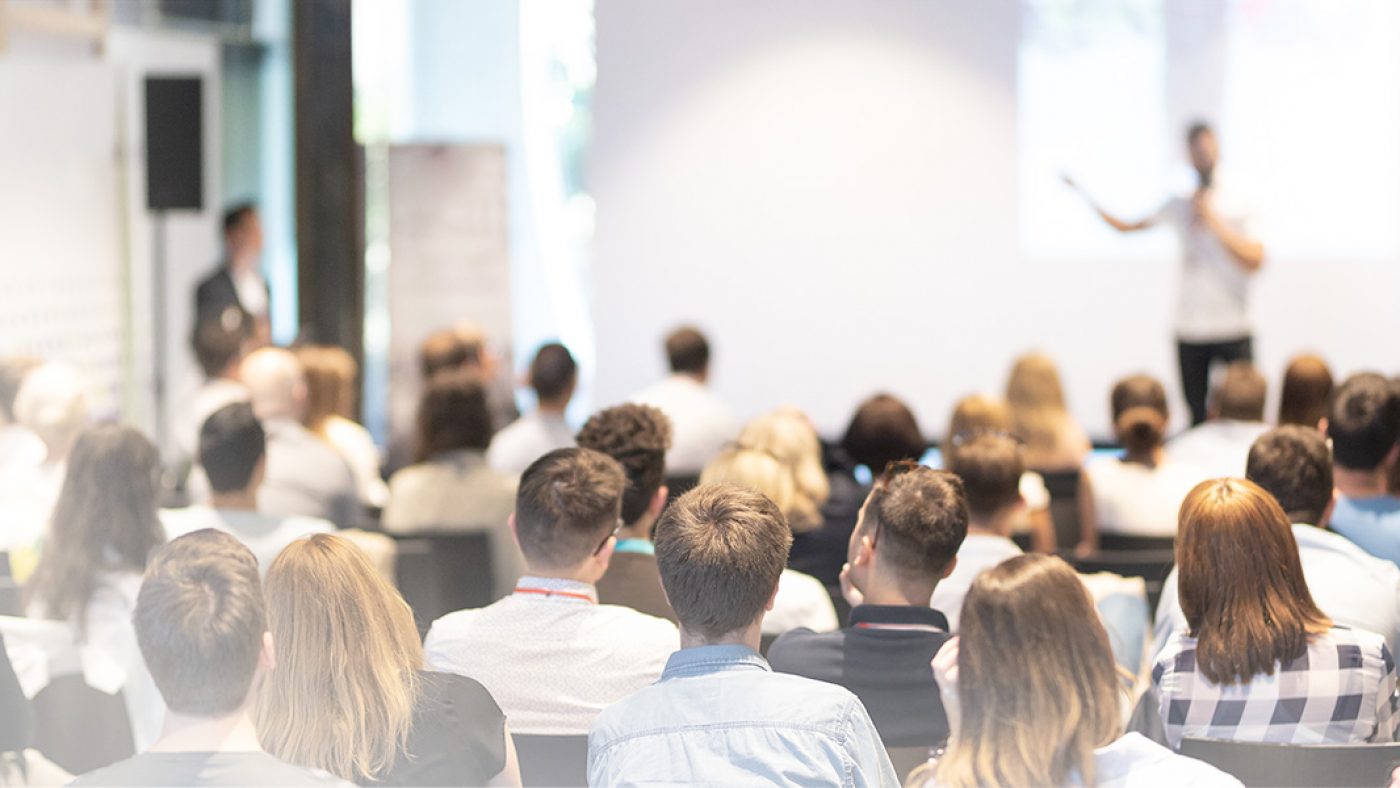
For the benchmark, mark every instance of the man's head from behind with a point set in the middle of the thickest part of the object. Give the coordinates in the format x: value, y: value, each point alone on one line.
x: 1292, y: 464
x: 276, y: 383
x: 1240, y: 394
x: 720, y: 549
x: 990, y: 466
x: 447, y: 351
x: 637, y: 436
x: 201, y: 624
x: 233, y: 449
x: 218, y: 346
x: 1364, y: 423
x: 553, y: 375
x: 566, y: 510
x: 910, y: 528
x: 688, y: 352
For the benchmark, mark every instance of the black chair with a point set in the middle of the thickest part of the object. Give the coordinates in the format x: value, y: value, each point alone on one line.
x: 1298, y: 764
x: 838, y: 601
x: 552, y: 760
x: 766, y: 642
x: 1152, y: 566
x: 1119, y: 542
x: 676, y: 486
x: 81, y: 728
x: 1063, y: 487
x: 439, y: 572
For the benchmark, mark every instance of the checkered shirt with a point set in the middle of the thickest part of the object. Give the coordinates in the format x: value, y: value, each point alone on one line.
x: 1341, y: 690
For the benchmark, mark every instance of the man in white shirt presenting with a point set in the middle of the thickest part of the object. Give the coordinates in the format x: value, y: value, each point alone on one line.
x: 1219, y: 254
x: 701, y: 424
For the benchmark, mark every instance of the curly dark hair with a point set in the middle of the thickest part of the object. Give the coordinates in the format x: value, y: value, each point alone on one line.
x: 637, y: 436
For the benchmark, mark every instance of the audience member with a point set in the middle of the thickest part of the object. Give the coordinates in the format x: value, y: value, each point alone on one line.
x: 464, y: 348
x: 637, y: 436
x: 233, y: 453
x: 1351, y: 587
x: 553, y: 376
x: 331, y: 375
x: 19, y: 447
x: 802, y: 600
x: 977, y: 414
x: 451, y: 487
x: 304, y: 477
x: 1364, y: 425
x: 219, y: 349
x: 701, y: 424
x: 719, y: 714
x: 1307, y: 388
x: 990, y: 467
x: 236, y: 294
x: 1036, y: 400
x: 1234, y: 419
x: 1139, y: 493
x: 883, y: 430
x: 553, y: 657
x: 909, y: 531
x: 1257, y: 654
x: 1053, y: 718
x: 350, y: 694
x: 52, y: 405
x: 104, y: 527
x: 202, y: 627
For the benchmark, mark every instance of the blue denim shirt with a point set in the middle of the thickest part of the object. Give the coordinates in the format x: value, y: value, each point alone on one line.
x: 720, y: 716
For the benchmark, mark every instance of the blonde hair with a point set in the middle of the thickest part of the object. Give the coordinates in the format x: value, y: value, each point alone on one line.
x: 756, y: 470
x: 788, y: 435
x: 330, y: 378
x: 1035, y: 399
x: 343, y: 694
x: 974, y: 414
x: 1037, y: 721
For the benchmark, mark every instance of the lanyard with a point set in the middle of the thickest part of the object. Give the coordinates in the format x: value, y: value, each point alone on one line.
x: 549, y: 592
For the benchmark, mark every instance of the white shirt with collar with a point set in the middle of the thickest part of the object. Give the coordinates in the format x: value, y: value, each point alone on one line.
x: 1217, y: 448
x: 700, y: 422
x: 551, y: 656
x: 527, y: 439
x: 265, y: 535
x: 979, y: 552
x: 1352, y: 587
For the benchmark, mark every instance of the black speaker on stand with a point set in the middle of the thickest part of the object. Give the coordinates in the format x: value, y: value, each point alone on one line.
x: 174, y: 182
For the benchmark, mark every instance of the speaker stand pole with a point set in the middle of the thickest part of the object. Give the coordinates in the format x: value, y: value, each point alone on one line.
x: 159, y: 320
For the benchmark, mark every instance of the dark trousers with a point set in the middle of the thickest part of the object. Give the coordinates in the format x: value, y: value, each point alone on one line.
x: 1196, y: 358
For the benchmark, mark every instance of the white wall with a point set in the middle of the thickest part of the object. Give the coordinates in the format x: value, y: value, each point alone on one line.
x: 830, y: 189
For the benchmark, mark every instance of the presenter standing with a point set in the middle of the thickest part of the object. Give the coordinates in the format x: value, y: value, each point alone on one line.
x: 236, y: 294
x: 1219, y: 256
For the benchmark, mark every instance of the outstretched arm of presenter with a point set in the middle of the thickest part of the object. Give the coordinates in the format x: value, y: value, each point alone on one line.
x: 1116, y: 223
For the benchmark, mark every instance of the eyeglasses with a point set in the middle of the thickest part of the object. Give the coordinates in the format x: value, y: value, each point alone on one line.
x: 611, y: 535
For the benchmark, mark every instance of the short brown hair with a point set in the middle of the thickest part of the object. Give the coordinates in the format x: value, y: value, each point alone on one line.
x: 687, y: 350
x: 568, y: 501
x: 453, y: 415
x: 446, y: 350
x: 720, y: 549
x: 883, y: 430
x: 990, y: 465
x: 200, y: 621
x: 1307, y: 388
x: 919, y: 516
x: 217, y: 346
x: 1241, y: 582
x: 1139, y: 406
x: 637, y: 436
x: 1241, y: 393
x: 1292, y: 464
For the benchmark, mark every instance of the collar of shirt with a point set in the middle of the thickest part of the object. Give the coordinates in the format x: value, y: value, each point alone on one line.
x: 704, y: 660
x: 643, y: 546
x: 905, y: 617
x: 555, y: 589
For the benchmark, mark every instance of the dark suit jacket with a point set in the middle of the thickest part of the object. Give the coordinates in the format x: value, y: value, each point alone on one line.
x: 217, y: 294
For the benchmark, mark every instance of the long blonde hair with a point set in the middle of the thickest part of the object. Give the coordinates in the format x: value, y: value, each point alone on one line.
x: 757, y: 470
x: 973, y: 414
x: 1035, y: 398
x: 330, y: 384
x: 788, y: 435
x: 1034, y: 721
x: 346, y: 683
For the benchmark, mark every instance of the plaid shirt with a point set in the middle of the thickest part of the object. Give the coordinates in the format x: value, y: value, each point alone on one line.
x: 1341, y: 690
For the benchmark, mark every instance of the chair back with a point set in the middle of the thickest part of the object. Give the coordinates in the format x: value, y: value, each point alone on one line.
x: 552, y: 760
x: 1298, y: 764
x: 676, y: 486
x: 81, y: 728
x: 1119, y: 542
x: 1063, y: 487
x: 1152, y: 566
x: 441, y: 571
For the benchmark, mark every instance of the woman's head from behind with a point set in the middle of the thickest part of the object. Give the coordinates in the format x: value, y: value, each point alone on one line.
x: 883, y: 430
x: 1139, y: 405
x: 453, y: 415
x: 330, y: 383
x: 1241, y: 582
x: 975, y: 414
x: 1307, y: 389
x: 1065, y: 702
x: 789, y: 437
x: 348, y: 652
x: 104, y: 520
x: 756, y: 470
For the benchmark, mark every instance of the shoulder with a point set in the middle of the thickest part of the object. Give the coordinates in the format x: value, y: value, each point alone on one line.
x: 794, y: 649
x: 307, y: 525
x: 1133, y: 757
x: 1177, y: 655
x: 463, y: 694
x: 641, y: 628
x: 1353, y: 644
x: 793, y: 581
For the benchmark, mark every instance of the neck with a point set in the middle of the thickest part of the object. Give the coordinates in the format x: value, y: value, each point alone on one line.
x: 997, y: 524
x: 183, y: 733
x: 237, y: 500
x: 638, y: 530
x: 1151, y: 457
x: 1359, y: 484
x: 751, y: 636
x: 886, y: 589
x: 554, y: 407
x: 698, y: 377
x: 583, y: 573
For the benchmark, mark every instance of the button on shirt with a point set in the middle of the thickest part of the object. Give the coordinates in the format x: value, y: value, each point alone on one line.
x: 1373, y: 523
x: 700, y: 423
x: 720, y: 716
x: 550, y: 655
x: 1213, y: 302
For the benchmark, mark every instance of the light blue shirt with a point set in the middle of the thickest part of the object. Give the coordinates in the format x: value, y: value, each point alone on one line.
x: 721, y: 716
x: 1373, y: 523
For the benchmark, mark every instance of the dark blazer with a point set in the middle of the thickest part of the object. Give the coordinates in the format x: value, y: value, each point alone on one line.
x: 217, y: 294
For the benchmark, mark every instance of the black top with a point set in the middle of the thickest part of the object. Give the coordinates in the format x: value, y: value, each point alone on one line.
x: 632, y: 580
x: 216, y: 298
x: 206, y: 768
x: 887, y: 668
x: 458, y: 736
x: 822, y: 552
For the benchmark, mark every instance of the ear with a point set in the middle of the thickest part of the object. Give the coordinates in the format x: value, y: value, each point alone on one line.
x: 948, y: 570
x: 267, y: 657
x: 658, y: 502
x: 1327, y: 512
x: 259, y: 473
x: 774, y: 596
x: 1322, y: 426
x: 514, y: 536
x: 604, y: 556
x: 865, y: 550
